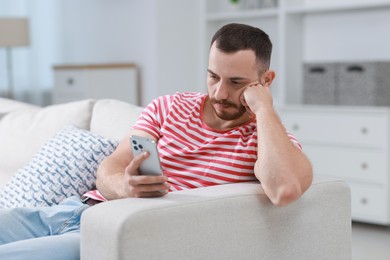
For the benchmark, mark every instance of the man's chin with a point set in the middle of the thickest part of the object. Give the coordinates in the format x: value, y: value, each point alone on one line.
x: 228, y: 116
x: 228, y: 113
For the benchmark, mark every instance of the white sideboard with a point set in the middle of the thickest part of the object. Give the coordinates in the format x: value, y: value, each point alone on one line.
x: 97, y: 81
x: 350, y: 143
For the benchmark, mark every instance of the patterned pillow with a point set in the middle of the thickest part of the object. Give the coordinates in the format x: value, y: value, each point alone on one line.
x: 66, y: 165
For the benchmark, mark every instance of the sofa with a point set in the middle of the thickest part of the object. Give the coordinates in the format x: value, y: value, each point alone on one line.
x: 235, y: 221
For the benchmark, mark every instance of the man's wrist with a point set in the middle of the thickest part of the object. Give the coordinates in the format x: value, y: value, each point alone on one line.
x: 264, y: 111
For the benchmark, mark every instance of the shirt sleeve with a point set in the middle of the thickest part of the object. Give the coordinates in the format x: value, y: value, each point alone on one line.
x: 153, y: 116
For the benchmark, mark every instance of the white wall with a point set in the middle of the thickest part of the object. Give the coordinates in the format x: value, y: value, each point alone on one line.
x: 32, y: 64
x: 44, y: 49
x: 15, y: 8
x: 161, y: 37
x: 100, y: 31
x: 355, y: 36
x: 179, y: 46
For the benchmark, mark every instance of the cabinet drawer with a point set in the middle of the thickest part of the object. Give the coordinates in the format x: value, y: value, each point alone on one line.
x: 369, y: 203
x: 338, y: 128
x: 70, y: 81
x: 363, y: 165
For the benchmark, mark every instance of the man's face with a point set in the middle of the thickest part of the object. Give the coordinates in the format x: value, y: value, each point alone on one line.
x: 228, y: 74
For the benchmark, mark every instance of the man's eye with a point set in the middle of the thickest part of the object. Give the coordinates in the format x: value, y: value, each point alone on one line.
x: 213, y: 76
x: 237, y: 83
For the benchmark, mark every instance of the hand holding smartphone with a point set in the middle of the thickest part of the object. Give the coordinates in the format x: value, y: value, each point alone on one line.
x: 151, y: 166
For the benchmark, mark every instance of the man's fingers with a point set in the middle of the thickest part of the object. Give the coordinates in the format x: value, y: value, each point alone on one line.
x: 153, y: 187
x: 147, y: 180
x: 252, y: 84
x: 134, y: 165
x: 144, y: 186
x: 150, y: 190
x: 152, y: 194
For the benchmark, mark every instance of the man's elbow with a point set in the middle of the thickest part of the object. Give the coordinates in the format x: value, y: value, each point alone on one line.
x: 291, y: 192
x: 286, y: 195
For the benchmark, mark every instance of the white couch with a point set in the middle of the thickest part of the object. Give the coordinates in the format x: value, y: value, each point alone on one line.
x: 222, y: 222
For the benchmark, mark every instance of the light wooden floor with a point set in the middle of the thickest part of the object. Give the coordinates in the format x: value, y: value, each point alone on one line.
x: 370, y: 242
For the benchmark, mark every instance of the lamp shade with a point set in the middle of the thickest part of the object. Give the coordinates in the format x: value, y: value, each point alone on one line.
x: 14, y: 32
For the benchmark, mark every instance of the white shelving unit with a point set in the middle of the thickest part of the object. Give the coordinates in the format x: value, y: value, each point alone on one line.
x: 343, y: 142
x: 347, y: 30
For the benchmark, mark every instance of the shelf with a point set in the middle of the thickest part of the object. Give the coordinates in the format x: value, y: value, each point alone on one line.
x: 243, y: 14
x: 319, y: 8
x: 337, y: 7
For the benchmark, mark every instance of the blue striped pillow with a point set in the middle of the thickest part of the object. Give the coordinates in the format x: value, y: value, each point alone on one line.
x: 66, y: 165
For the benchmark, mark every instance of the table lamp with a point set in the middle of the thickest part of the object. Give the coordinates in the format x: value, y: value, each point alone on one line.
x: 13, y: 33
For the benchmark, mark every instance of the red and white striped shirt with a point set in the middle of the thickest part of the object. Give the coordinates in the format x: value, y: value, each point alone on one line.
x: 192, y: 154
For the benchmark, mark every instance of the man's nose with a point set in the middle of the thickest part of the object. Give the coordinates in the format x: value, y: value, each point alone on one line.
x: 221, y: 92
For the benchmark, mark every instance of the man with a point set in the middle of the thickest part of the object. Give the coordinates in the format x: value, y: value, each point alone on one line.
x: 232, y: 134
x: 239, y: 95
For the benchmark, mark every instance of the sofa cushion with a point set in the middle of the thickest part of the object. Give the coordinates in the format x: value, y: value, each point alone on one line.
x: 9, y: 105
x: 24, y: 131
x: 66, y: 165
x: 113, y: 119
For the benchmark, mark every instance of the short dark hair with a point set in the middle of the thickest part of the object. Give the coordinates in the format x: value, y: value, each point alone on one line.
x: 235, y: 37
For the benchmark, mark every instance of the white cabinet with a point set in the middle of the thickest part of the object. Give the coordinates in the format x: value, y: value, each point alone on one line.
x: 308, y: 31
x: 75, y: 82
x: 350, y: 143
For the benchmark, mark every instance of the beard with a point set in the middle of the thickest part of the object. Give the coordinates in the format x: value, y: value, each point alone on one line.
x: 240, y: 109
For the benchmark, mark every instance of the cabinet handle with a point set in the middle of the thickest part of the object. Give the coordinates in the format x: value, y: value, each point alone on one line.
x: 364, y: 201
x: 364, y: 166
x: 295, y: 127
x: 364, y: 130
x: 70, y: 81
x: 355, y: 68
x: 317, y: 70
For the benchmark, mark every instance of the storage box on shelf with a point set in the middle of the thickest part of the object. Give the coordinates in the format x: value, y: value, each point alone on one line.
x: 364, y: 83
x: 320, y: 83
x: 96, y: 81
x: 347, y: 83
x: 352, y: 143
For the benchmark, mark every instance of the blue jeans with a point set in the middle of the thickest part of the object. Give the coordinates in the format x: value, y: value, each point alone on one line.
x: 42, y: 233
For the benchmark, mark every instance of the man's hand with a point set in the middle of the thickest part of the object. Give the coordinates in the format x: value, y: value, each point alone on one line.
x: 118, y: 174
x: 256, y: 96
x: 143, y: 186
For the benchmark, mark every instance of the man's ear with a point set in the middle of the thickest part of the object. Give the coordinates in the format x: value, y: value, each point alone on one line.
x: 267, y: 78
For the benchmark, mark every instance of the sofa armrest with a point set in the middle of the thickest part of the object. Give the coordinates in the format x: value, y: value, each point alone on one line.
x: 235, y: 221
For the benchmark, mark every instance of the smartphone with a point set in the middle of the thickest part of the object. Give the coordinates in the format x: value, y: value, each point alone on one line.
x: 151, y: 166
